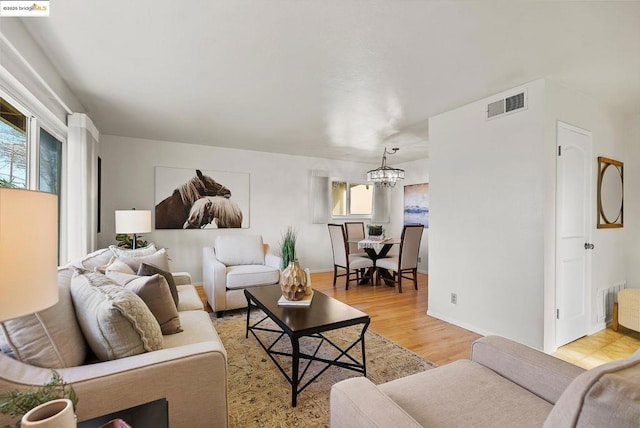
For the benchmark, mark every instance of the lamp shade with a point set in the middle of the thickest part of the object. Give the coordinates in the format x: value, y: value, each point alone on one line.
x: 28, y: 252
x: 133, y: 221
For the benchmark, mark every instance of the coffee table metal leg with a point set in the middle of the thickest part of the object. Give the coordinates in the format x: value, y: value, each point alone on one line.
x: 246, y: 331
x: 364, y: 358
x: 295, y: 357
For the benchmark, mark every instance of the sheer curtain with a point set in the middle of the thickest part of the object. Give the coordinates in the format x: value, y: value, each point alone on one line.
x: 320, y: 197
x: 381, y: 205
x: 82, y: 185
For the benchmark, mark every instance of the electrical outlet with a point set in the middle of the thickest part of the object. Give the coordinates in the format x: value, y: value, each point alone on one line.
x: 419, y: 259
x: 454, y: 298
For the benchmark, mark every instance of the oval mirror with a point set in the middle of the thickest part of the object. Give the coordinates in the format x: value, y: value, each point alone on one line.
x: 610, y: 193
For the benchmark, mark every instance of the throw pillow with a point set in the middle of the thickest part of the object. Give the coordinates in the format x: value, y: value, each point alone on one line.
x: 115, y: 321
x: 147, y: 269
x: 155, y: 292
x: 50, y: 338
x: 130, y: 252
x: 158, y: 259
x: 118, y: 265
x: 93, y: 260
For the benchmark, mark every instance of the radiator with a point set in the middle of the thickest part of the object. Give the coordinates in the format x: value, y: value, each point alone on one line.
x: 606, y: 298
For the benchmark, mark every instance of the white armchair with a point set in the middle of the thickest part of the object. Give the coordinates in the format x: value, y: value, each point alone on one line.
x: 234, y: 263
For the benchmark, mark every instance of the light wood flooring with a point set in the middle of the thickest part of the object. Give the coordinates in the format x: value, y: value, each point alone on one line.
x: 403, y: 319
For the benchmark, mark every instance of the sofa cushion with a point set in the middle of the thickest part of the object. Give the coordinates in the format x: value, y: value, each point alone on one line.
x: 434, y: 397
x: 146, y: 269
x: 155, y: 293
x: 197, y: 327
x: 130, y: 252
x: 158, y: 259
x: 243, y: 276
x: 189, y: 298
x: 607, y: 395
x: 50, y: 338
x: 116, y: 323
x: 234, y: 250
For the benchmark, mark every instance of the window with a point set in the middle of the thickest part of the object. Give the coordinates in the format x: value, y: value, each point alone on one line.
x: 13, y: 146
x: 50, y: 163
x: 351, y: 199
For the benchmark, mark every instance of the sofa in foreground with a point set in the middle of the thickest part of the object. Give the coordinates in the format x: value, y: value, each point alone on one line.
x: 183, y: 361
x: 505, y: 384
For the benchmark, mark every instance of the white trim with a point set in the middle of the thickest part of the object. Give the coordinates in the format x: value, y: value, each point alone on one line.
x: 19, y: 94
x: 81, y: 120
x: 35, y: 74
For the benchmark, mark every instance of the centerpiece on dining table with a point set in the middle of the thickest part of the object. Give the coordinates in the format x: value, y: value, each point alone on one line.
x: 376, y: 232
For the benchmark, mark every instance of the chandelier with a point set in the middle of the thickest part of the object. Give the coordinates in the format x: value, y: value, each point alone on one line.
x: 385, y: 176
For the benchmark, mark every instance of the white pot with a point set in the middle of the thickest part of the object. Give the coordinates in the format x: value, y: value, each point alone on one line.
x: 52, y: 414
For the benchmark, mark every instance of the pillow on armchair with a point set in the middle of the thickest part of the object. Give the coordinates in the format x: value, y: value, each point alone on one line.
x: 234, y: 250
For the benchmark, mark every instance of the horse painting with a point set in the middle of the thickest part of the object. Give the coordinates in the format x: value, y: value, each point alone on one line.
x: 173, y: 211
x: 223, y: 212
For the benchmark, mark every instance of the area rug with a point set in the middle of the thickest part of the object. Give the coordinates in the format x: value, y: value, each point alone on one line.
x: 260, y: 396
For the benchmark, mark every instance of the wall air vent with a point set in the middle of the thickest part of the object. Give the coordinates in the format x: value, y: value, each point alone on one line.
x: 507, y: 105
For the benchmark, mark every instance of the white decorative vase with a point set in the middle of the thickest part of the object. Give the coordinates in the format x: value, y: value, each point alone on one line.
x: 52, y: 414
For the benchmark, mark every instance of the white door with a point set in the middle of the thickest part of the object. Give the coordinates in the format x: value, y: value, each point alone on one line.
x: 573, y: 233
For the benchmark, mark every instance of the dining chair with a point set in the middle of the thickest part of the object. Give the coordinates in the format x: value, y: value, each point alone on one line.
x: 405, y: 264
x: 353, y: 265
x: 355, y: 231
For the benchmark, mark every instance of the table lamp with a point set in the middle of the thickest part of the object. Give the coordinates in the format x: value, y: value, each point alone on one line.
x: 28, y: 252
x: 133, y: 222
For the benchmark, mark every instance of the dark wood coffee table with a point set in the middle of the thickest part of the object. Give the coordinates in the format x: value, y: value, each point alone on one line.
x: 324, y: 314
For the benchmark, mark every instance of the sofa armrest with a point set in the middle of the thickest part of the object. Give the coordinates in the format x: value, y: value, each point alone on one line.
x: 214, y: 279
x: 182, y: 278
x: 184, y: 375
x: 357, y: 402
x: 541, y: 374
x: 271, y: 259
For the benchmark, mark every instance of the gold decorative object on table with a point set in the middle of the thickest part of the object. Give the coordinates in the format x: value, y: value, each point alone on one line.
x: 293, y: 281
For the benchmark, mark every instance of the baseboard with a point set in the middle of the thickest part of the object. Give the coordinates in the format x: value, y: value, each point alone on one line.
x: 598, y: 327
x: 462, y: 324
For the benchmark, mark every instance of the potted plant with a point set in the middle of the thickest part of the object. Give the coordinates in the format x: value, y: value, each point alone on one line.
x: 375, y: 231
x: 293, y: 279
x: 125, y: 241
x: 19, y: 403
x: 288, y: 246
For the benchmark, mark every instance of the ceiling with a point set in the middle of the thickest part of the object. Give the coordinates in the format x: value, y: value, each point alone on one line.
x: 337, y: 79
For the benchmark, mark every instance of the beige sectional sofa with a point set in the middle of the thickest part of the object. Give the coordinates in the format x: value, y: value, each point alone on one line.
x: 505, y: 384
x: 189, y: 368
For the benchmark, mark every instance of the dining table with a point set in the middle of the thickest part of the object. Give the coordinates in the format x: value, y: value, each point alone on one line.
x: 377, y: 249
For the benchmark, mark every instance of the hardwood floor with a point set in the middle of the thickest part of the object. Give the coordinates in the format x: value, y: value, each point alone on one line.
x: 403, y: 319
x: 599, y: 348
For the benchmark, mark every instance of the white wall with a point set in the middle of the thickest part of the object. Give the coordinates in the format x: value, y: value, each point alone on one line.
x: 486, y: 234
x: 493, y: 212
x: 632, y: 199
x: 278, y: 195
x: 609, y: 138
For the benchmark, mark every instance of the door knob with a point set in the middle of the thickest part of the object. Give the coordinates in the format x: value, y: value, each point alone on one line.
x: 588, y: 246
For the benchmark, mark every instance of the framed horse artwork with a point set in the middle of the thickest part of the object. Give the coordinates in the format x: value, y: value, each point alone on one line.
x: 201, y: 199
